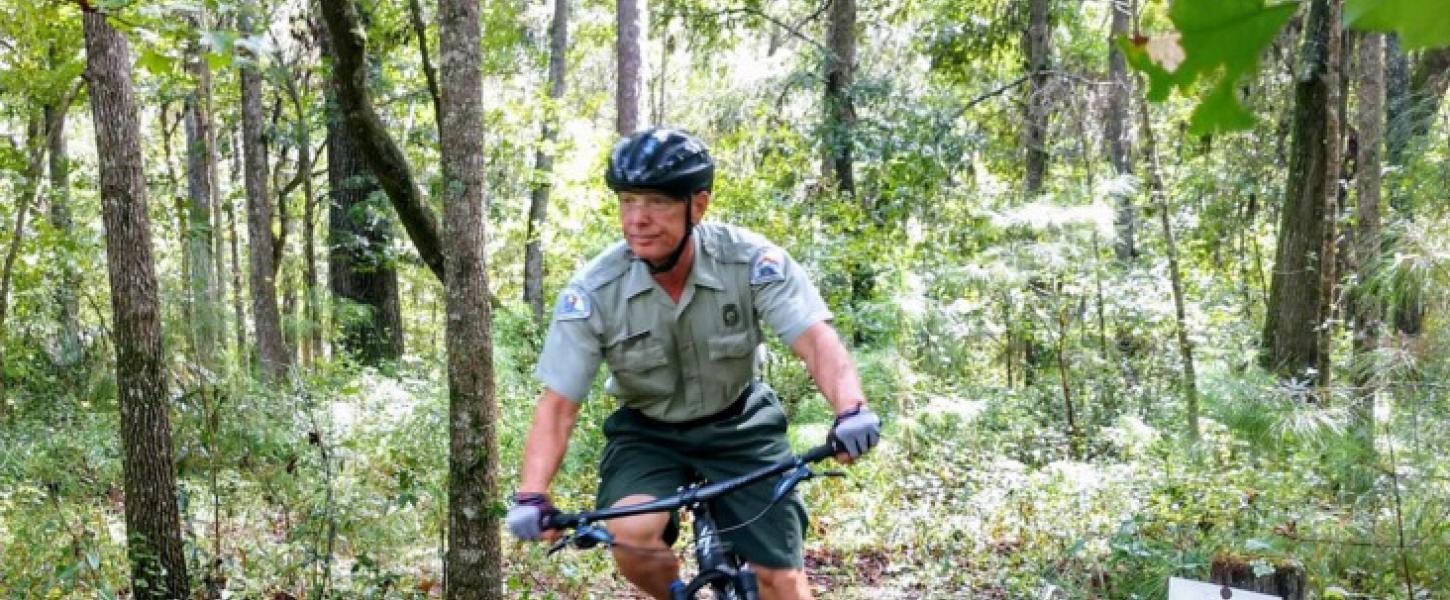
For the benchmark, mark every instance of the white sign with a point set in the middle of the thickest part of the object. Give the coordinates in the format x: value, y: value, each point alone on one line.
x: 1183, y: 589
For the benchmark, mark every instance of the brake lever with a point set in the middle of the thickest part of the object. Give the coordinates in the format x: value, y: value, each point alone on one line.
x: 561, y: 544
x: 584, y: 538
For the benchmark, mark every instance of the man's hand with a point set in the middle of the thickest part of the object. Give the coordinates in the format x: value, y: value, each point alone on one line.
x: 526, y: 518
x: 855, y: 432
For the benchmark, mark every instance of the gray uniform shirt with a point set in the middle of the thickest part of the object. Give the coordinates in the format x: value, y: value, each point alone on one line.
x: 677, y: 361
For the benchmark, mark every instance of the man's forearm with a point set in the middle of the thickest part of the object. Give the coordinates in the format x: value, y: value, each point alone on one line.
x: 554, y: 418
x: 830, y: 366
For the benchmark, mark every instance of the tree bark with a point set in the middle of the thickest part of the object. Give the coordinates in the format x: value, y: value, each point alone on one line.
x: 200, y: 170
x: 1366, y: 309
x: 153, y: 524
x: 1116, y: 127
x: 473, y: 565
x: 840, y: 110
x: 359, y: 271
x: 629, y: 61
x: 272, y: 354
x: 544, y: 162
x: 1293, y: 328
x: 388, y: 164
x: 1038, y: 41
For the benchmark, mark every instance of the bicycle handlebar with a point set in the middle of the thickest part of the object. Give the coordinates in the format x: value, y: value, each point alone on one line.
x: 690, y: 496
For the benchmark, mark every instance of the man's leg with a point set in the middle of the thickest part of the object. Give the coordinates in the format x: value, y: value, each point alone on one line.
x: 640, y: 552
x: 782, y: 584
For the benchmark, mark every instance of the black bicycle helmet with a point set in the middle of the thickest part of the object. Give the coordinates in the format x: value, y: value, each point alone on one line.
x: 661, y: 159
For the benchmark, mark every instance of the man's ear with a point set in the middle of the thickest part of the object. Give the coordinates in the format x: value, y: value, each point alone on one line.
x: 700, y: 203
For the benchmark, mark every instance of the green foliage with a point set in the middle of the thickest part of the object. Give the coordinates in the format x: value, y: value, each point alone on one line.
x: 1212, y: 38
x: 1419, y: 25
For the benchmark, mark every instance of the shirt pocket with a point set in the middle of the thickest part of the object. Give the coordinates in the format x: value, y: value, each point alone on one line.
x: 732, y: 359
x: 639, y: 366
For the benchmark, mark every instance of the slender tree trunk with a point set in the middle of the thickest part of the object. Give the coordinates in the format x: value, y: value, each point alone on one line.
x: 1039, y: 59
x: 1413, y: 97
x: 1116, y: 129
x: 840, y: 110
x: 360, y: 273
x: 384, y: 157
x: 272, y: 353
x: 200, y: 168
x: 153, y: 523
x: 311, y: 314
x: 37, y: 146
x: 544, y: 162
x: 67, y: 299
x: 239, y: 321
x: 473, y: 567
x: 1292, y: 344
x: 1367, y: 310
x: 629, y: 61
x: 1175, y: 276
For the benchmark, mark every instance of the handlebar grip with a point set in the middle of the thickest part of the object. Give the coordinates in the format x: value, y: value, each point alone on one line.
x: 819, y: 453
x: 560, y: 520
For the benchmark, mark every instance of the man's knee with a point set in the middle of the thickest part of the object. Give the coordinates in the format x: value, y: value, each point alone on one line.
x: 782, y: 584
x: 639, y: 530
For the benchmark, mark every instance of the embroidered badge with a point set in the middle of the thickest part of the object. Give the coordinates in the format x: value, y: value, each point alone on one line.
x: 731, y: 314
x: 573, y: 304
x: 768, y: 267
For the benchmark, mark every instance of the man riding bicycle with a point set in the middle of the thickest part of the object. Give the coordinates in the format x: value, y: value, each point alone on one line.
x: 675, y: 310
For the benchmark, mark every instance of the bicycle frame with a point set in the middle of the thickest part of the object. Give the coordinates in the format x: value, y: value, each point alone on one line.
x: 718, y: 568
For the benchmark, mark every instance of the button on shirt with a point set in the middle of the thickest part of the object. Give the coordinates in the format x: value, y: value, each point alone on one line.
x: 677, y: 361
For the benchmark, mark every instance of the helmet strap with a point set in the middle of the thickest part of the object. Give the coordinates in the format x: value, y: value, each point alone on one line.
x: 674, y: 258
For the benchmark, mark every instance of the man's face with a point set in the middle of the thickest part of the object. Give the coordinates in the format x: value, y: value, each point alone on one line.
x: 654, y: 223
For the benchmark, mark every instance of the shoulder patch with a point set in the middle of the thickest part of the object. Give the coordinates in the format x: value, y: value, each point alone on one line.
x: 769, y: 266
x: 573, y: 304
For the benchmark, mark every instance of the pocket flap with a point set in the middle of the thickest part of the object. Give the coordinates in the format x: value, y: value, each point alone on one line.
x: 642, y: 355
x: 734, y: 345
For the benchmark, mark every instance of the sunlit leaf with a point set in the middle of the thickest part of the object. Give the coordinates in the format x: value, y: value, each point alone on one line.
x: 1215, y: 40
x: 1419, y: 23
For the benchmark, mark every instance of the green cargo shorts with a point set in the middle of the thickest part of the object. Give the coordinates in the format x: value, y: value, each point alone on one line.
x: 648, y: 457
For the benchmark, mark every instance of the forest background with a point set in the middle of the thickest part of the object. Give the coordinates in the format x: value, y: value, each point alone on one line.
x: 1140, y: 290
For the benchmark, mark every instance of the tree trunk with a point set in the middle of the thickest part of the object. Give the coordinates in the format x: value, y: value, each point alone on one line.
x: 1286, y: 581
x: 360, y: 273
x: 200, y: 168
x: 386, y: 160
x: 1185, y: 344
x: 1366, y: 309
x: 1116, y: 127
x: 271, y: 350
x: 153, y: 523
x: 239, y: 321
x: 67, y: 299
x: 629, y: 61
x: 1293, y: 326
x: 36, y: 146
x: 840, y: 111
x: 1413, y: 97
x: 544, y: 162
x: 473, y: 565
x: 1039, y: 57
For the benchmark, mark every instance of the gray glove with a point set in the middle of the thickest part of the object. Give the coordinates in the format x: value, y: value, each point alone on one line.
x: 856, y: 431
x: 525, y: 518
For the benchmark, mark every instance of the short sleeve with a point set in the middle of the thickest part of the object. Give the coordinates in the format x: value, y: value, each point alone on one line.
x: 571, y: 355
x: 784, y: 296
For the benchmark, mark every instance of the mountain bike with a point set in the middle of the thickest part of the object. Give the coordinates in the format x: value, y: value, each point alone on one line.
x: 720, y: 570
